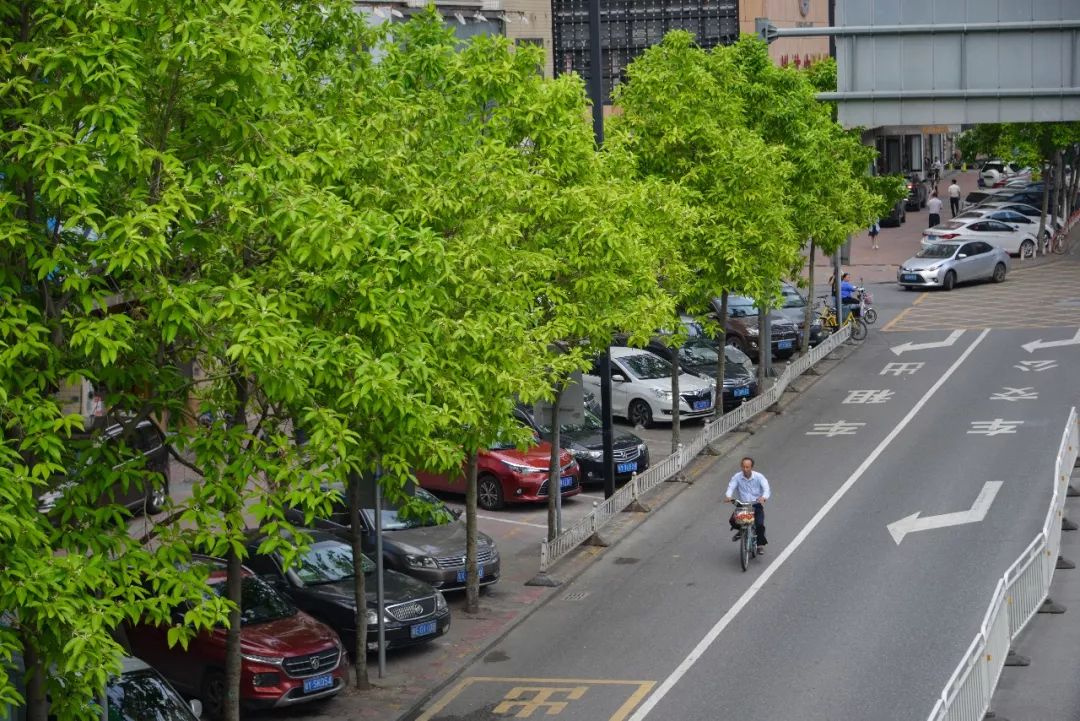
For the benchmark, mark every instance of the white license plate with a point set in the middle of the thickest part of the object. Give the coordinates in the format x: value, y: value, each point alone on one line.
x: 909, y: 277
x: 318, y: 683
x: 462, y: 574
x: 423, y: 629
x: 784, y: 345
x: 566, y: 481
x: 700, y: 405
x: 626, y: 467
x: 741, y: 392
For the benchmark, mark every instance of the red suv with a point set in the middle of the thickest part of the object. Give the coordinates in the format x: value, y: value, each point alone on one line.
x: 506, y: 475
x: 288, y: 656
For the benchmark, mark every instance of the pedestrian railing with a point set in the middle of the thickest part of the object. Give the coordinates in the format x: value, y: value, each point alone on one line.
x: 577, y: 533
x: 1017, y: 598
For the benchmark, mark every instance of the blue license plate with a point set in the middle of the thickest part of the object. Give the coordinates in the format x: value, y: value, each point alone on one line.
x: 318, y: 683
x: 566, y: 481
x: 461, y: 574
x: 909, y: 277
x: 741, y: 392
x: 626, y: 467
x: 420, y: 630
x: 784, y: 345
x: 700, y: 405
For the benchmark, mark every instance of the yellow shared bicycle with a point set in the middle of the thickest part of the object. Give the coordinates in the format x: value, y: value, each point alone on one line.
x: 829, y: 322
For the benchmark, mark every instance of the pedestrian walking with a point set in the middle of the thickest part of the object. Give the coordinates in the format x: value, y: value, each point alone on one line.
x: 954, y: 197
x: 933, y: 206
x: 875, y: 228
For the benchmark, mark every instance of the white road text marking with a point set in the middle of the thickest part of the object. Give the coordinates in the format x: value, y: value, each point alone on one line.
x: 1015, y: 394
x: 996, y: 427
x: 900, y: 369
x: 867, y: 396
x: 1036, y: 366
x: 839, y: 428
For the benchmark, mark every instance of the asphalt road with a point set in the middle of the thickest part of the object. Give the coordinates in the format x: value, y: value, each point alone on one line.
x: 837, y: 621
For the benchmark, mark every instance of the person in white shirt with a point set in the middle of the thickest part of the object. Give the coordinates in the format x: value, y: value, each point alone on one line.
x: 933, y: 206
x: 954, y: 197
x: 749, y: 486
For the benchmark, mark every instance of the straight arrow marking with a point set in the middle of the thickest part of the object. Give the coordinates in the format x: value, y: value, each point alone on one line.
x: 1040, y: 343
x: 904, y: 347
x: 913, y: 523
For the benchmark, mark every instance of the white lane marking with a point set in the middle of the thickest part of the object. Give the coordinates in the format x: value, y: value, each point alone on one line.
x: 995, y: 427
x: 900, y: 369
x: 1040, y: 343
x: 725, y: 620
x: 904, y: 347
x: 516, y: 523
x: 977, y: 512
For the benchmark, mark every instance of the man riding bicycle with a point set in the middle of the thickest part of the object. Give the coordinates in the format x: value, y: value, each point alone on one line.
x: 749, y: 486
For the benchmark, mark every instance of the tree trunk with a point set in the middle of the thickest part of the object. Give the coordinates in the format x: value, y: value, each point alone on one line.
x: 762, y: 350
x: 809, y: 319
x: 721, y: 358
x: 1059, y: 185
x: 37, y: 705
x: 1074, y: 184
x: 554, y: 472
x: 1045, y: 206
x: 676, y: 415
x: 360, y: 670
x: 472, y: 576
x: 234, y: 578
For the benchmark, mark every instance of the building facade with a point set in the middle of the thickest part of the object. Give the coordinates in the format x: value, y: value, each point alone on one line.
x: 789, y: 14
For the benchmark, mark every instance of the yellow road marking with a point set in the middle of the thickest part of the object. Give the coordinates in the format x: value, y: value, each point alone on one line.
x: 921, y: 298
x: 514, y: 696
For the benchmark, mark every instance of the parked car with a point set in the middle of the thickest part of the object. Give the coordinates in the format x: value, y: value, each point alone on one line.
x: 794, y: 309
x: 320, y: 582
x: 996, y: 233
x: 995, y: 169
x: 743, y: 332
x: 584, y: 441
x: 896, y: 216
x: 428, y: 544
x: 1011, y: 217
x: 979, y: 197
x: 288, y: 657
x: 944, y: 264
x: 641, y: 388
x: 1029, y: 196
x: 1030, y: 211
x: 507, y: 474
x: 121, y: 448
x: 918, y: 192
x: 140, y: 693
x: 699, y: 355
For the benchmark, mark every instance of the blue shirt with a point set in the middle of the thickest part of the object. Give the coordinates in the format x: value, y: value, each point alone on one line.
x: 748, y: 490
x: 846, y: 289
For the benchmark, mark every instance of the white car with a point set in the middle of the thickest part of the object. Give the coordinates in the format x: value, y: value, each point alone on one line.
x: 641, y: 388
x: 996, y: 233
x: 1011, y: 217
x: 1029, y: 210
x: 996, y: 169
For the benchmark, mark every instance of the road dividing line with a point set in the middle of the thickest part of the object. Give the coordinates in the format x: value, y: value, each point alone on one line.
x: 921, y: 298
x: 727, y: 618
x: 508, y: 520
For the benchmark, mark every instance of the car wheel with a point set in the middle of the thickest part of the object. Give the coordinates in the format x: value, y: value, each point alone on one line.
x: 213, y: 693
x: 950, y: 281
x: 999, y: 273
x: 1027, y: 249
x: 489, y: 495
x: 738, y: 344
x: 157, y: 494
x: 640, y: 414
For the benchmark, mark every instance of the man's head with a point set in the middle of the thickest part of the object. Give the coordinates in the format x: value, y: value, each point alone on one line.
x: 845, y: 276
x: 934, y: 194
x: 747, y: 466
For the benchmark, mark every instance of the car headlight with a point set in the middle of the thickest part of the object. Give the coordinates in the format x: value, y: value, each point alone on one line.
x: 440, y: 601
x: 642, y: 448
x: 662, y: 393
x: 586, y: 453
x: 420, y: 562
x: 267, y: 660
x: 522, y: 468
x: 752, y: 331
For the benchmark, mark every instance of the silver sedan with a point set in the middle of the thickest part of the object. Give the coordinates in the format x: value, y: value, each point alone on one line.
x: 948, y: 262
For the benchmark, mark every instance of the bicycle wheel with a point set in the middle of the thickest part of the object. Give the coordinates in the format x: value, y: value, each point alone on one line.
x: 1059, y: 245
x: 858, y: 329
x: 870, y: 316
x: 744, y: 549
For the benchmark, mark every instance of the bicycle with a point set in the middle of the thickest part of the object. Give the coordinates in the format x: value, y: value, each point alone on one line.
x: 866, y: 309
x: 1060, y: 243
x: 744, y: 519
x: 829, y: 323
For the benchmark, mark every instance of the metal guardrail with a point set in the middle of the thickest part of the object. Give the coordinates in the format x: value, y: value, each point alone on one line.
x: 583, y: 529
x: 1017, y: 598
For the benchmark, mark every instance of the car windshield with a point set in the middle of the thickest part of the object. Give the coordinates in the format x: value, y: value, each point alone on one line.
x: 328, y: 562
x: 736, y: 356
x: 259, y: 603
x: 426, y: 510
x: 937, y: 250
x: 144, y: 696
x: 740, y: 306
x: 647, y: 366
x: 971, y: 214
x: 589, y: 422
x: 699, y: 351
x: 792, y: 297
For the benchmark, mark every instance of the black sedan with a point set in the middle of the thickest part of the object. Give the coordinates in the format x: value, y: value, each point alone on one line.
x: 699, y: 356
x: 585, y: 443
x: 320, y: 582
x: 794, y: 309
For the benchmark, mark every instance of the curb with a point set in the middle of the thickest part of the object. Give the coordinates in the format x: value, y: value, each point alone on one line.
x: 584, y: 556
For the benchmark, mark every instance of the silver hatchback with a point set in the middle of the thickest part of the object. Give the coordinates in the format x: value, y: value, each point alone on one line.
x: 948, y: 262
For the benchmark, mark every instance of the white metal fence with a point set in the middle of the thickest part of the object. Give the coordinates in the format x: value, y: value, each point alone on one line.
x: 576, y: 534
x: 1017, y: 597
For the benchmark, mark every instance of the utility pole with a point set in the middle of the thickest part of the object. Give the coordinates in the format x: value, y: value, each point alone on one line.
x: 596, y: 93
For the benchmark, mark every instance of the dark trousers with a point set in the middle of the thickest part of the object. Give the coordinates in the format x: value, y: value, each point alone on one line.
x: 759, y: 524
x: 954, y: 203
x: 934, y: 219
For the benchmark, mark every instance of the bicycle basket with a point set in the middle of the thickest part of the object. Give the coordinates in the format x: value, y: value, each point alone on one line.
x: 744, y: 516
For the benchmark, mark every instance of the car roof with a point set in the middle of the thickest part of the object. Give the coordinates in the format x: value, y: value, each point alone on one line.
x: 317, y: 536
x: 621, y: 351
x: 130, y: 664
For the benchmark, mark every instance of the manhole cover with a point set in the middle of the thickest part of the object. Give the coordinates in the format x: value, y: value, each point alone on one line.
x: 575, y: 596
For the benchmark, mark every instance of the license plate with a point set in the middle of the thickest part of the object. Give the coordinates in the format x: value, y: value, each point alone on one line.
x: 566, y: 481
x: 741, y: 392
x: 909, y: 277
x: 626, y: 467
x: 318, y: 683
x: 784, y: 345
x: 700, y: 405
x: 462, y: 574
x: 423, y: 629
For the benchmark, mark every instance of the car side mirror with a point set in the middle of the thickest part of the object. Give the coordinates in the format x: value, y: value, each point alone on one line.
x: 619, y: 378
x: 961, y: 255
x: 196, y: 707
